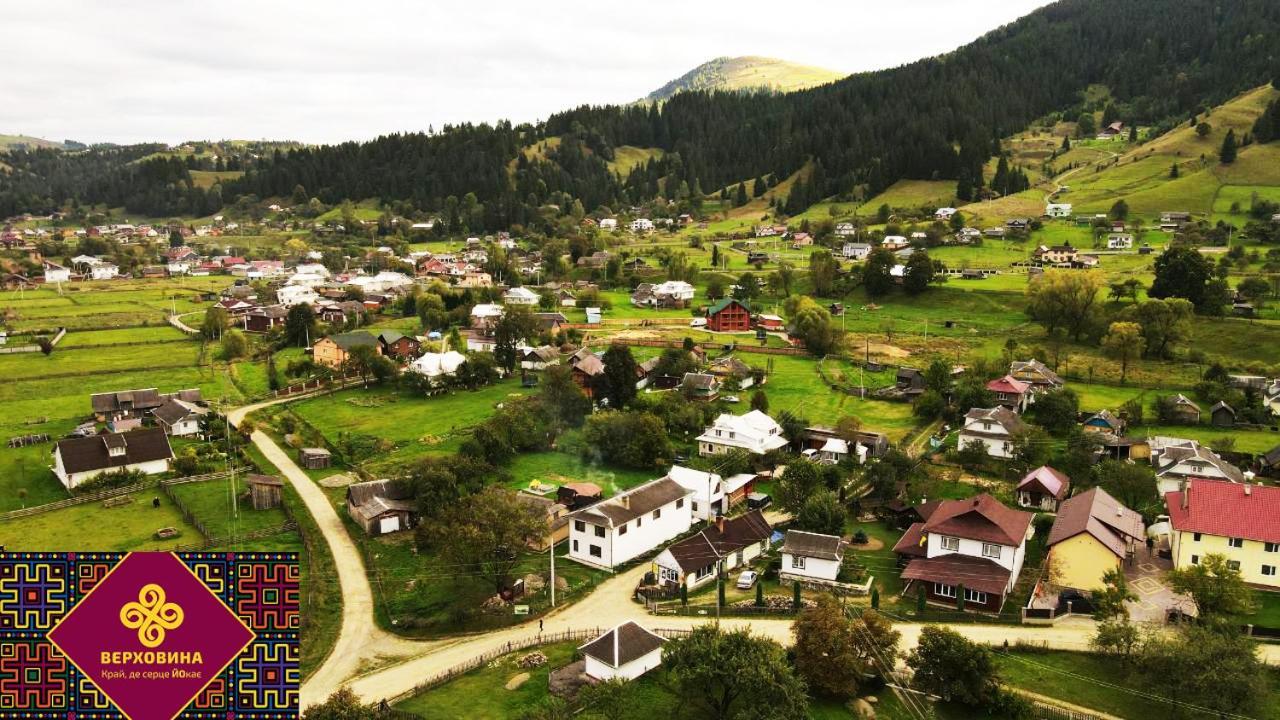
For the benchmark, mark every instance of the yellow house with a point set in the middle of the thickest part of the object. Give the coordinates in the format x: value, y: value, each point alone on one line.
x: 1239, y: 521
x: 1093, y: 533
x: 332, y: 351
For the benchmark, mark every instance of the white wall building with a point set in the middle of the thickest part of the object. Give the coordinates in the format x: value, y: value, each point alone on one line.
x: 104, y: 271
x: 706, y: 490
x: 856, y: 251
x: 811, y: 556
x: 77, y: 460
x: 290, y: 295
x: 754, y: 432
x: 1058, y: 210
x: 55, y: 273
x: 641, y: 225
x: 435, y: 365
x: 520, y: 296
x: 615, y: 531
x: 625, y: 652
x: 993, y: 427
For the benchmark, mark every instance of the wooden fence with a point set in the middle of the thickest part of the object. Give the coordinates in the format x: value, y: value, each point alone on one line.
x: 210, y: 540
x: 102, y: 495
x: 33, y: 348
x: 704, y: 346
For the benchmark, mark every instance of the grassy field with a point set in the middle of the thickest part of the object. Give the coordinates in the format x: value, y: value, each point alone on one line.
x: 557, y: 468
x: 123, y: 528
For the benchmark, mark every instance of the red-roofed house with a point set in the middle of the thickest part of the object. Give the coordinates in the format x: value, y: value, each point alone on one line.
x: 1011, y: 393
x: 974, y: 546
x: 1043, y: 488
x: 1238, y: 520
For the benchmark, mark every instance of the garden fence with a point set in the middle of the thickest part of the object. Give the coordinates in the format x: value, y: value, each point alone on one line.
x: 102, y: 495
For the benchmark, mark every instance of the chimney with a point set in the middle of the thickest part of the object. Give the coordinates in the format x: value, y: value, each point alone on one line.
x: 616, y: 660
x: 720, y: 523
x: 1248, y: 489
x: 625, y: 501
x: 1186, y: 494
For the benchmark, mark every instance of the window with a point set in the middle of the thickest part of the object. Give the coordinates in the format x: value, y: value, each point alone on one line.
x: 1233, y: 564
x: 1195, y: 559
x: 599, y: 530
x: 579, y: 526
x: 1269, y: 570
x: 695, y: 506
x: 947, y: 591
x: 950, y: 543
x: 639, y: 521
x: 797, y: 562
x: 575, y: 546
x: 1271, y: 547
x: 1196, y: 537
x: 657, y: 513
x: 595, y: 551
x: 679, y: 503
x: 975, y: 596
x: 1235, y: 542
x: 703, y: 572
x: 991, y: 551
x: 622, y: 529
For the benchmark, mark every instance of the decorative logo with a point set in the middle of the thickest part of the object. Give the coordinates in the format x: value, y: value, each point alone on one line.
x: 151, y: 616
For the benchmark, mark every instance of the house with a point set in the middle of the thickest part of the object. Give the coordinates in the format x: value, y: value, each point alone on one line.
x: 1105, y: 422
x: 1174, y: 217
x: 700, y: 386
x: 1011, y: 393
x: 1119, y: 242
x: 832, y: 452
x: 1271, y: 397
x: 609, y: 224
x: 1057, y: 210
x: 125, y: 403
x: 811, y: 556
x: 1176, y: 460
x: 995, y: 232
x: 78, y: 460
x: 856, y: 251
x: 314, y: 458
x: 393, y: 344
x: 539, y: 358
x: 586, y: 370
x: 615, y: 531
x: 909, y: 381
x: 754, y: 432
x: 624, y: 653
x: 1043, y: 489
x: 673, y: 293
x: 729, y: 315
x: 485, y: 315
x: 801, y: 240
x: 334, y: 350
x: 265, y: 319
x: 866, y: 444
x: 771, y: 323
x: 234, y: 306
x: 178, y: 417
x: 381, y: 506
x: 520, y: 296
x: 1093, y: 533
x: 434, y: 365
x: 265, y: 491
x: 1238, y: 520
x: 993, y: 427
x: 1111, y: 131
x: 944, y: 214
x: 640, y: 225
x: 104, y: 271
x: 55, y: 273
x: 577, y: 495
x: 894, y: 243
x: 1184, y: 410
x: 1056, y: 255
x: 729, y: 368
x: 845, y: 229
x: 1017, y: 223
x: 1035, y: 372
x: 290, y: 295
x: 972, y: 548
x: 1222, y: 415
x: 706, y: 491
x: 725, y: 544
x: 557, y: 516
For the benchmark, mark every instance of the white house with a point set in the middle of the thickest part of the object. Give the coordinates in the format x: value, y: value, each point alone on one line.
x: 311, y: 280
x: 724, y: 545
x: 641, y: 225
x: 290, y: 295
x: 754, y: 432
x: 104, y: 271
x: 993, y: 427
x: 55, y: 273
x: 178, y: 417
x: 609, y: 224
x: 435, y: 365
x: 944, y: 214
x: 1057, y: 210
x: 706, y: 491
x: 856, y: 251
x: 834, y: 451
x: 811, y: 556
x: 1178, y: 459
x: 845, y: 229
x: 615, y: 531
x: 625, y: 652
x: 976, y: 545
x: 520, y: 296
x: 311, y: 269
x: 1119, y: 242
x: 673, y: 291
x: 485, y: 314
x: 77, y: 460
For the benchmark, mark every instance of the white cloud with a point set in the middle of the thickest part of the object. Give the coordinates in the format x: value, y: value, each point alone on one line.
x: 326, y: 71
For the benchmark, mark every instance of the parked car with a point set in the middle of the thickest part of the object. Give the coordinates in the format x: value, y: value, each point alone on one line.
x: 732, y: 399
x: 747, y: 579
x: 698, y: 322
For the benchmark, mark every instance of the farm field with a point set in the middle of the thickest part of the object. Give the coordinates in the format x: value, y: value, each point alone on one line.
x: 117, y: 529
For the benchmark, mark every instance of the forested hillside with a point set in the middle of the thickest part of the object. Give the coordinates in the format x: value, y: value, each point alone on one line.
x: 939, y: 118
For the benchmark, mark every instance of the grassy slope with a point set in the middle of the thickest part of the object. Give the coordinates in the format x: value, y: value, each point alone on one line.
x: 7, y: 141
x: 747, y: 73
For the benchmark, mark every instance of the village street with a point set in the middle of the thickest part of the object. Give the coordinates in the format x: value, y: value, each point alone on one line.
x: 402, y: 664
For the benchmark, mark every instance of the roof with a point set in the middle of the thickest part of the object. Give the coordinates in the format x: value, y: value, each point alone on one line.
x: 1037, y: 367
x: 264, y: 480
x: 376, y: 497
x: 1047, y: 481
x: 1108, y: 418
x: 390, y: 336
x: 175, y: 411
x: 980, y: 518
x: 700, y: 381
x: 724, y: 303
x: 1227, y: 509
x: 1221, y: 405
x: 135, y: 399
x: 1166, y: 459
x: 623, y: 508
x: 912, y: 541
x: 814, y: 545
x: 1007, y: 418
x: 974, y: 573
x: 1102, y: 516
x: 584, y: 489
x: 90, y: 453
x: 350, y: 340
x: 623, y: 644
x: 590, y: 365
x: 1008, y: 384
x: 738, y: 532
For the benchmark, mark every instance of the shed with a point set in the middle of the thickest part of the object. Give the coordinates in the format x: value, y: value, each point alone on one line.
x: 381, y: 506
x: 315, y: 458
x: 264, y: 491
x: 1222, y: 415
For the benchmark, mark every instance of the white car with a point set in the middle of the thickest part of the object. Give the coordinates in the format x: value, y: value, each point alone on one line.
x: 732, y: 399
x: 747, y: 579
x: 698, y: 322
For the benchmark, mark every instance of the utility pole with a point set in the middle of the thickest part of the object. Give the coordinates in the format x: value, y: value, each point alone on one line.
x: 553, y: 572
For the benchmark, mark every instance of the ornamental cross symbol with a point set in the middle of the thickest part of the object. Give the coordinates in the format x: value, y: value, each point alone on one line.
x: 151, y: 616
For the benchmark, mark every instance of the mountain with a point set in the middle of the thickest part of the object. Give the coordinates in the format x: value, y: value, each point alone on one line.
x: 26, y: 141
x: 935, y: 119
x: 746, y: 73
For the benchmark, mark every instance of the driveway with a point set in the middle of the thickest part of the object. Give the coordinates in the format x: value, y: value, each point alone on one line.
x: 1155, y: 598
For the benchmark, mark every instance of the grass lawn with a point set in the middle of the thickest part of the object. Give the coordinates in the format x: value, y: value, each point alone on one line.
x: 210, y: 503
x: 93, y: 527
x: 796, y: 386
x: 1268, y: 614
x: 1248, y: 441
x: 481, y: 693
x: 557, y: 468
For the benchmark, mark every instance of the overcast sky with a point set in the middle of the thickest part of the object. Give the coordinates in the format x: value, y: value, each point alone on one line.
x: 328, y: 70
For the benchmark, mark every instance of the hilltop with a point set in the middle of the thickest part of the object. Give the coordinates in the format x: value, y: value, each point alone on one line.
x: 749, y: 72
x: 10, y: 141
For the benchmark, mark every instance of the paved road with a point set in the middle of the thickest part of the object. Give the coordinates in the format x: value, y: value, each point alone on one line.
x: 360, y: 638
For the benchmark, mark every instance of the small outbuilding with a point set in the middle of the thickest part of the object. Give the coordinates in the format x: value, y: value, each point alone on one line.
x: 315, y: 458
x: 625, y: 652
x: 381, y: 506
x: 264, y: 491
